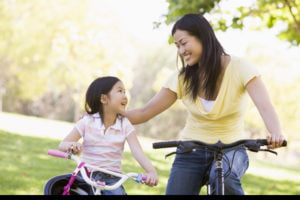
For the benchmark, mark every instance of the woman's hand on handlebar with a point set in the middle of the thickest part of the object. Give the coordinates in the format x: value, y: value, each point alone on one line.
x: 275, y: 141
x: 152, y: 179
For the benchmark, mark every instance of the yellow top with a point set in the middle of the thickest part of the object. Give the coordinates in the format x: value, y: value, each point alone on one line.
x: 225, y: 121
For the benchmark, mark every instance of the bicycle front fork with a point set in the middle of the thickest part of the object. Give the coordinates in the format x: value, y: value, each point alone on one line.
x: 219, y: 178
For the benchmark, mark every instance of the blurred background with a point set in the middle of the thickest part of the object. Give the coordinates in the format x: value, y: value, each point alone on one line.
x: 50, y: 51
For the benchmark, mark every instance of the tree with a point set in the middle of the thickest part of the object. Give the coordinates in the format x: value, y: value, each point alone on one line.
x: 267, y: 13
x: 51, y: 51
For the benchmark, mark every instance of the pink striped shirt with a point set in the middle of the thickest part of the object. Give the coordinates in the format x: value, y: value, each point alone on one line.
x: 103, y: 149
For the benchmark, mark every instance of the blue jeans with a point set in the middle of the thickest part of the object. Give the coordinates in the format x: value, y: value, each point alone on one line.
x: 109, y: 180
x: 193, y: 170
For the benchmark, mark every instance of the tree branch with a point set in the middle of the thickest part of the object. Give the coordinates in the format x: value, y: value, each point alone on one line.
x: 291, y: 12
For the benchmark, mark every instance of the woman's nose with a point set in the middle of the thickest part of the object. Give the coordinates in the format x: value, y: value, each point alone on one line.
x: 181, y: 50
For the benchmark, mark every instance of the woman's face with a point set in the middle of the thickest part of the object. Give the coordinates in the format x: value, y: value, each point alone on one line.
x: 189, y: 47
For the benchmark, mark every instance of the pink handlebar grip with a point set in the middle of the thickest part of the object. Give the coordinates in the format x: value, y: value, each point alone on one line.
x: 57, y: 153
x: 144, y: 177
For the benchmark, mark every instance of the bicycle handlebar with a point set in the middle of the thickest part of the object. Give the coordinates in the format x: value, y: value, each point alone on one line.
x: 138, y: 177
x: 168, y: 144
x: 219, y: 144
x: 186, y: 146
x: 57, y: 153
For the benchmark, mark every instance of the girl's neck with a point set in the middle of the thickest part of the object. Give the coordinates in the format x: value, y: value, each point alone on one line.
x: 109, y: 119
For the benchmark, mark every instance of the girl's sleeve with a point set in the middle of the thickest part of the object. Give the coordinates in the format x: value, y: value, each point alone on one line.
x: 80, y: 125
x: 172, y: 82
x: 248, y: 71
x: 128, y: 127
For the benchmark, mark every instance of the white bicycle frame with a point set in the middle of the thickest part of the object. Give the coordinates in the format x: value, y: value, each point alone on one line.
x: 97, y: 185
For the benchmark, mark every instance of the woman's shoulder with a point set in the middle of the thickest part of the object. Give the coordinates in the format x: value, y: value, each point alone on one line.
x: 236, y: 60
x: 173, y: 73
x: 240, y: 63
x: 243, y: 68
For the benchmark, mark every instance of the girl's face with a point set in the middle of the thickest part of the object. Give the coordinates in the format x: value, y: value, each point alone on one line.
x: 189, y: 47
x: 117, y: 99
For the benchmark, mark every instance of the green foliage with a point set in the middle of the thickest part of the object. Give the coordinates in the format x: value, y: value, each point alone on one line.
x: 53, y: 49
x: 270, y: 13
x: 182, y: 7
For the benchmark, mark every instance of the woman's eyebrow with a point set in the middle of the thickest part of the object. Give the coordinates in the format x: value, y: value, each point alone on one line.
x: 179, y: 40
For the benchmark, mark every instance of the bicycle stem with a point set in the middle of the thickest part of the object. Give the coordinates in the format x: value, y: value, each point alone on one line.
x: 219, y: 173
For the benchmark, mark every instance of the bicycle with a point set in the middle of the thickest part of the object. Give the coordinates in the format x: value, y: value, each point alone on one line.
x: 71, y: 184
x: 218, y: 148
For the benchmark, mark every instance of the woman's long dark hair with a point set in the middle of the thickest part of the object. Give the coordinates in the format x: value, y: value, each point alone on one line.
x: 204, y: 75
x: 99, y: 86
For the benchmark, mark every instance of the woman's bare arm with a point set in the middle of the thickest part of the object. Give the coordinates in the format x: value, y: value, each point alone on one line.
x: 159, y: 103
x: 260, y: 97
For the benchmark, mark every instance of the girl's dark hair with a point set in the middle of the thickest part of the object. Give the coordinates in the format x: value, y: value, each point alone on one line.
x: 204, y: 75
x: 99, y: 86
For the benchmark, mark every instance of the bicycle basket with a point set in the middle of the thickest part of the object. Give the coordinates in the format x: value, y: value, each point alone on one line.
x: 55, y: 186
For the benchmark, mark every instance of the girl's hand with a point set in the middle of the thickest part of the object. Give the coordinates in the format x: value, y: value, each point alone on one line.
x: 152, y: 179
x: 275, y: 141
x: 74, y: 147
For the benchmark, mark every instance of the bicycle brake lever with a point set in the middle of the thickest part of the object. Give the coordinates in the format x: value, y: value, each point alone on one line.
x: 169, y: 154
x: 254, y: 148
x: 257, y: 148
x: 175, y: 152
x: 187, y: 148
x: 268, y: 150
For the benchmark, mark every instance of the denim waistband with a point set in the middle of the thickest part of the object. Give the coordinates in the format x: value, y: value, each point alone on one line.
x: 103, y: 175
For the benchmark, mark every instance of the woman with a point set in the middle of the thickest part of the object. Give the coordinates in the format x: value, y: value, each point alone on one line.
x: 213, y: 87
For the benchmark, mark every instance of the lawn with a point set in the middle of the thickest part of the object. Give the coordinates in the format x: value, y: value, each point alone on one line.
x: 26, y: 167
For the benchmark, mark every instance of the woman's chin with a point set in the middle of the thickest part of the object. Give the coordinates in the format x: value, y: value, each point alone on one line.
x: 190, y: 62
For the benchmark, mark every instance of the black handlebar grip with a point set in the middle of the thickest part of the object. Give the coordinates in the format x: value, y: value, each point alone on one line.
x: 264, y: 142
x: 284, y: 143
x: 158, y: 145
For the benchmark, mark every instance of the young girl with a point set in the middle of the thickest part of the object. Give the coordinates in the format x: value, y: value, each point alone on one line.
x: 104, y: 131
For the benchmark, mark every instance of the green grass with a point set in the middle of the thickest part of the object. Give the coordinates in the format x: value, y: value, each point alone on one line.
x: 25, y: 167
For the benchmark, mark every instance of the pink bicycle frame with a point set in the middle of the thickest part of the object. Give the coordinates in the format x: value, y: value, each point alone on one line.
x: 98, y: 185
